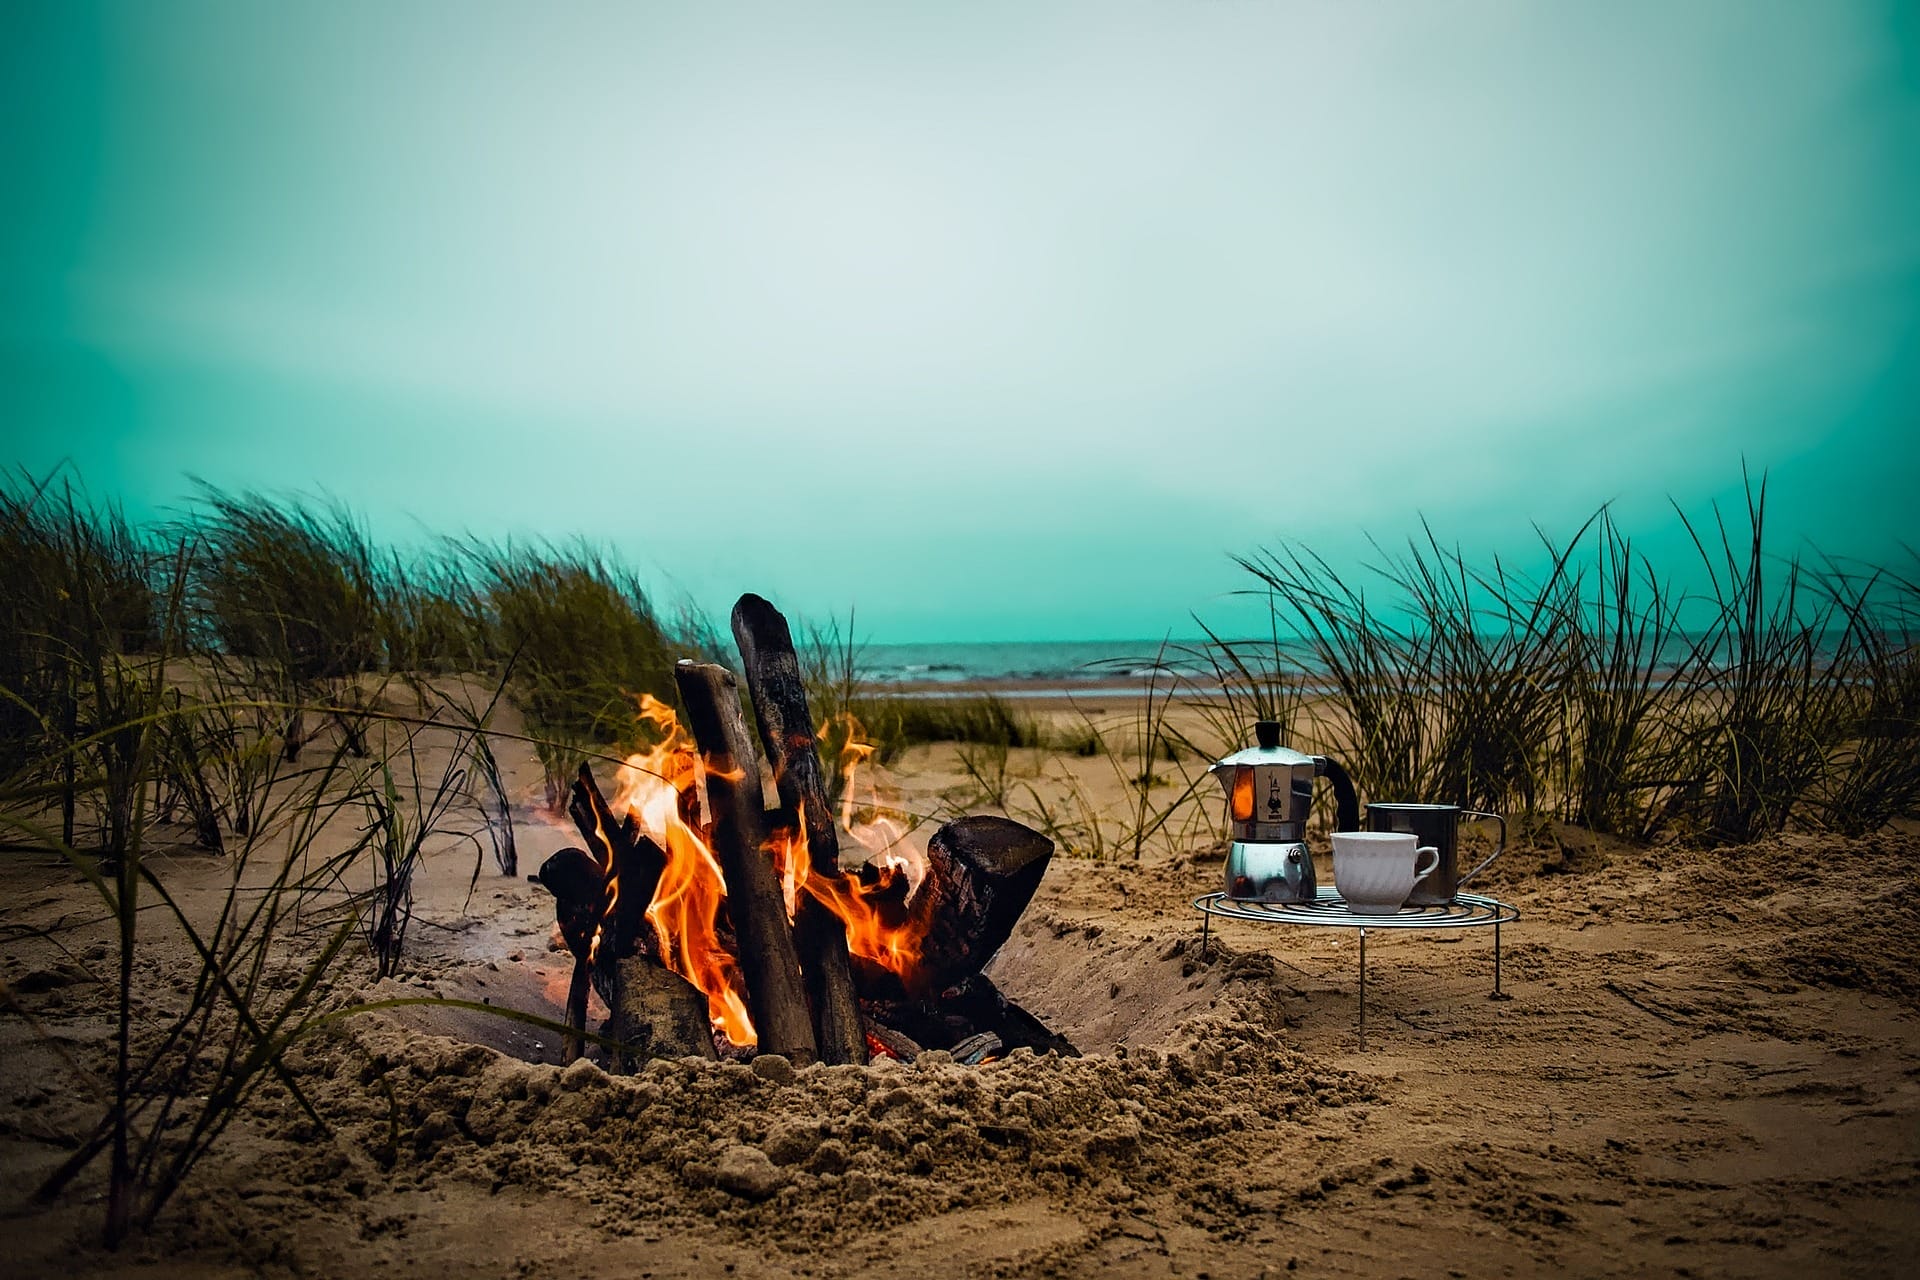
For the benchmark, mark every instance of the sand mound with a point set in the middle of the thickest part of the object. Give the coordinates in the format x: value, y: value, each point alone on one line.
x: 798, y: 1158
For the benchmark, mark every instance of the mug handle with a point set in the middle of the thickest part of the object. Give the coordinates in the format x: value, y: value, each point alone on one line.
x: 1497, y: 849
x: 1432, y: 857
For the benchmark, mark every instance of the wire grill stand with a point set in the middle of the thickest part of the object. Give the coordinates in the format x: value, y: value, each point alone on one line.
x: 1329, y: 911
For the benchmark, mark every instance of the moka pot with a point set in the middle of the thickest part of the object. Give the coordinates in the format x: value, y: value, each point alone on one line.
x: 1269, y: 795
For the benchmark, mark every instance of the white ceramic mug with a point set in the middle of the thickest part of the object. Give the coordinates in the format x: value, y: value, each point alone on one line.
x: 1375, y: 871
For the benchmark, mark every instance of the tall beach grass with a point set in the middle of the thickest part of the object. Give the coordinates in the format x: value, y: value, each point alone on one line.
x: 1780, y: 691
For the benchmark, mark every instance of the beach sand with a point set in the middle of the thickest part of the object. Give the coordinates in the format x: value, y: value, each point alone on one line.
x: 1706, y: 1067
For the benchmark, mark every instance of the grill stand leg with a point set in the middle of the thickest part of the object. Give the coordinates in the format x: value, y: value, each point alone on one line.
x: 1206, y: 926
x: 1363, y: 991
x: 1497, y: 993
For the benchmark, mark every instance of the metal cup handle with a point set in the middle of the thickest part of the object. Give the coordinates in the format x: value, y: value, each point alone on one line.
x: 1497, y: 849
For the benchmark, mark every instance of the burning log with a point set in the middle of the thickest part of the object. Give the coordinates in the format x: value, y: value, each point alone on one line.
x: 629, y: 862
x: 600, y: 901
x: 579, y: 890
x: 655, y: 1012
x: 768, y: 962
x: 976, y: 1049
x: 787, y: 735
x: 981, y: 874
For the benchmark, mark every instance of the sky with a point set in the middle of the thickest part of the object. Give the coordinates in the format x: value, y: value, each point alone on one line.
x: 988, y: 321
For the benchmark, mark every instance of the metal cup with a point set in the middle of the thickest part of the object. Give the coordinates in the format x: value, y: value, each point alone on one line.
x: 1439, y: 826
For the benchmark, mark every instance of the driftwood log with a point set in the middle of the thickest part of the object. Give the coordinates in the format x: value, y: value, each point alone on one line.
x: 776, y: 997
x: 654, y: 1012
x: 787, y: 735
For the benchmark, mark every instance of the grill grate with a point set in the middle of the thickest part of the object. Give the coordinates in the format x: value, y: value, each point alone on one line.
x: 1329, y: 910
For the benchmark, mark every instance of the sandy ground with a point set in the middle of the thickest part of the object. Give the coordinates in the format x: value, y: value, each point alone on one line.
x: 1708, y: 1066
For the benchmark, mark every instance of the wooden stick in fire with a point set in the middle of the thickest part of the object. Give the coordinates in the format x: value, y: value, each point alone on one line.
x: 775, y: 995
x: 787, y: 734
x: 627, y: 857
x: 578, y: 885
x: 574, y: 1043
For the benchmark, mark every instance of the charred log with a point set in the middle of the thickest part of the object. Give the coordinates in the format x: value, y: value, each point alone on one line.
x: 981, y: 874
x: 971, y: 1008
x: 976, y: 1049
x: 574, y: 1043
x: 579, y: 891
x: 625, y: 855
x: 769, y: 964
x: 786, y: 725
x: 787, y: 735
x: 884, y: 1039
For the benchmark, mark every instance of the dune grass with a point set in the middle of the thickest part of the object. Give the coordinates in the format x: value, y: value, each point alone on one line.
x: 1596, y: 692
x: 1782, y: 692
x: 1876, y: 775
x: 284, y: 582
x: 154, y: 675
x: 582, y: 640
x: 80, y: 604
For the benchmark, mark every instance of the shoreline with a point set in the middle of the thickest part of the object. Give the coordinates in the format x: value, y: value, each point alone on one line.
x: 1024, y: 690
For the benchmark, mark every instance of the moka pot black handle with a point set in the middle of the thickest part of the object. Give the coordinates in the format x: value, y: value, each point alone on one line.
x: 1346, y: 804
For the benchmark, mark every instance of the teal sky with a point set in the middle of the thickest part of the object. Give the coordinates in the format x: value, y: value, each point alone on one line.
x: 996, y: 321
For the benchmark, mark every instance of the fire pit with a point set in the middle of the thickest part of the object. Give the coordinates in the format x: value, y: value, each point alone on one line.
x: 711, y: 924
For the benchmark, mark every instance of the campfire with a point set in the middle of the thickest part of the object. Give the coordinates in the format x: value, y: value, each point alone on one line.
x: 710, y: 923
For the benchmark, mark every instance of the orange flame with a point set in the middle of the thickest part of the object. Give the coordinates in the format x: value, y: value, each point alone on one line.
x: 664, y: 788
x: 861, y: 904
x: 869, y: 908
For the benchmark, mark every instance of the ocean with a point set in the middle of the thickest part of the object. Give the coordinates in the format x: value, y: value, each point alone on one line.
x: 1047, y: 668
x: 1037, y: 667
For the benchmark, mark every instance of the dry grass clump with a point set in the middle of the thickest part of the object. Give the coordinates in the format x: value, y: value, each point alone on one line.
x: 581, y: 639
x: 141, y: 681
x: 288, y: 584
x: 76, y: 580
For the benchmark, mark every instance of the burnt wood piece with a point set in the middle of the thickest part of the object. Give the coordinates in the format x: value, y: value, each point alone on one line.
x: 966, y: 1010
x: 654, y: 1013
x: 786, y: 725
x: 787, y: 735
x: 625, y: 854
x: 976, y: 1049
x: 981, y: 874
x: 776, y: 997
x: 896, y: 1044
x: 579, y: 892
x: 574, y: 1043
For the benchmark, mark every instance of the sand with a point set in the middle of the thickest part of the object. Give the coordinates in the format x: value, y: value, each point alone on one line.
x: 1707, y: 1066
